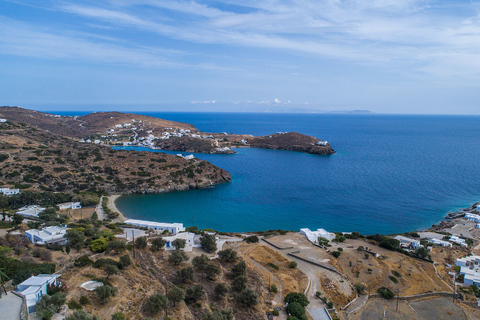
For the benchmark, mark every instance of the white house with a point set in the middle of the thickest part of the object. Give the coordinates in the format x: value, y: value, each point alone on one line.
x: 157, y: 226
x: 34, y: 287
x: 469, y: 268
x: 408, y: 242
x: 439, y: 242
x: 9, y: 192
x: 472, y: 217
x: 3, y: 120
x: 478, y: 208
x: 459, y: 241
x: 47, y: 235
x: 189, y: 237
x: 69, y: 205
x: 30, y: 211
x: 313, y: 236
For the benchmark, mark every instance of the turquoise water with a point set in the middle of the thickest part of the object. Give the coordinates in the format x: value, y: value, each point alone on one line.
x: 391, y: 174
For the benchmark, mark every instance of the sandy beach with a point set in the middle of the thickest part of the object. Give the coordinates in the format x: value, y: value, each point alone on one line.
x: 111, y: 205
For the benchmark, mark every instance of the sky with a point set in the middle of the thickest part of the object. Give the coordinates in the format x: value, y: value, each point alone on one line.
x: 386, y: 56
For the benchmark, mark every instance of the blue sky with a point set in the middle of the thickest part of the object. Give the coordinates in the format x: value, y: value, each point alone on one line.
x: 390, y: 56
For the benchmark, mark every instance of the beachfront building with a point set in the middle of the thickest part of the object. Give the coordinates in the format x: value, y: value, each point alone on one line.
x: 439, y: 242
x: 469, y: 268
x: 408, y: 242
x: 35, y: 287
x: 157, y: 226
x: 189, y: 238
x: 459, y: 241
x: 30, y: 211
x: 69, y: 205
x: 9, y: 192
x: 472, y: 217
x: 313, y: 236
x: 48, y: 235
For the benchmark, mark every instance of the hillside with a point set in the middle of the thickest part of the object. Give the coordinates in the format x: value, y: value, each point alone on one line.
x: 36, y: 159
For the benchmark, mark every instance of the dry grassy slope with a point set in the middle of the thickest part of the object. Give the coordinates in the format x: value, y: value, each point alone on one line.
x: 416, y: 276
x: 71, y: 166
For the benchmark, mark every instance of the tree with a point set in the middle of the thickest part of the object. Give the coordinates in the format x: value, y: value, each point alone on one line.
x: 390, y: 244
x: 251, y: 239
x: 221, y: 289
x: 228, y: 255
x: 110, y: 269
x: 118, y: 316
x: 240, y: 269
x: 386, y: 293
x: 295, y: 309
x: 155, y: 303
x: 175, y: 295
x: 67, y: 248
x: 94, y: 216
x: 212, y: 271
x: 179, y: 243
x: 81, y: 315
x: 43, y: 308
x: 248, y: 298
x: 105, y: 292
x: 297, y: 297
x: 158, y: 244
x: 292, y: 265
x: 194, y: 293
x: 239, y: 283
x: 117, y: 246
x: 273, y: 288
x: 17, y: 219
x: 336, y: 254
x: 177, y: 257
x: 200, y: 262
x: 208, y: 242
x: 422, y: 252
x: 99, y: 245
x: 141, y: 243
x: 125, y: 261
x: 185, y: 274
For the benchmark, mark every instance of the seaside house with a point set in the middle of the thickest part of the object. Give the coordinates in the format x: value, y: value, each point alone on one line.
x: 3, y: 120
x: 157, y: 226
x: 34, y: 287
x: 189, y: 237
x: 30, y: 211
x: 313, y: 236
x: 469, y: 268
x: 439, y: 242
x: 69, y: 205
x: 48, y: 235
x: 459, y: 241
x: 408, y: 242
x: 472, y: 217
x: 9, y: 192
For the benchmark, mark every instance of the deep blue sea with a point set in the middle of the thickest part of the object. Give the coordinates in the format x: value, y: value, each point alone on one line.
x: 391, y: 174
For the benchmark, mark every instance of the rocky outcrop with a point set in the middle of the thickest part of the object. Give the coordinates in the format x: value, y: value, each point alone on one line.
x: 291, y: 141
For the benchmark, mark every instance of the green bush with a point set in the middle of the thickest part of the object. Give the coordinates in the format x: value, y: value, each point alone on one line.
x: 74, y: 305
x: 386, y: 293
x: 295, y: 309
x: 292, y: 265
x: 274, y: 266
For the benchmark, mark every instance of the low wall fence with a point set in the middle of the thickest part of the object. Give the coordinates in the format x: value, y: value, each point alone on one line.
x: 24, y: 310
x: 274, y: 245
x: 293, y: 254
x: 418, y: 296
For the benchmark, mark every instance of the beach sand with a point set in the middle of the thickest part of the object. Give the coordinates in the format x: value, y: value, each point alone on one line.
x: 111, y: 205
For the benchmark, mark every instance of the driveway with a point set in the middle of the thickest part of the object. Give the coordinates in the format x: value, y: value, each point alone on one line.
x: 10, y: 306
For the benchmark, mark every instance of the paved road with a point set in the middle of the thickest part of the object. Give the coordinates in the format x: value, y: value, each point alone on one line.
x: 10, y: 306
x: 99, y: 210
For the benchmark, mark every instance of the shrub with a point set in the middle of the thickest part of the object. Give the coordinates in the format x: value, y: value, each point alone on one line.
x: 201, y: 262
x: 394, y: 280
x: 124, y: 262
x: 359, y: 287
x: 239, y: 283
x: 74, y: 305
x: 177, y: 257
x: 386, y: 293
x: 158, y: 244
x: 185, y: 275
x: 248, y: 298
x: 297, y: 297
x: 390, y: 244
x: 292, y: 264
x: 118, y: 316
x: 273, y: 288
x: 116, y: 245
x: 105, y: 292
x: 46, y: 255
x: 336, y: 254
x: 330, y: 304
x: 396, y: 273
x: 194, y: 293
x: 84, y: 300
x: 208, y: 242
x: 274, y: 266
x: 240, y: 269
x: 141, y: 243
x: 212, y: 271
x: 251, y: 239
x: 155, y: 303
x: 99, y: 245
x: 275, y: 313
x: 81, y: 315
x: 175, y: 295
x: 179, y: 243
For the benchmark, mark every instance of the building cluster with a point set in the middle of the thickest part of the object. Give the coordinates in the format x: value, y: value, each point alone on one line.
x: 69, y: 205
x: 35, y: 287
x: 47, y: 236
x: 469, y: 268
x: 408, y: 243
x: 173, y: 228
x: 30, y: 211
x: 313, y: 236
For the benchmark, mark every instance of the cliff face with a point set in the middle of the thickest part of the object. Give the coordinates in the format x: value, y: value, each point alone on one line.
x: 36, y: 159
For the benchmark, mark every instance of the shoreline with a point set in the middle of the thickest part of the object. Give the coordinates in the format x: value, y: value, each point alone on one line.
x: 441, y: 224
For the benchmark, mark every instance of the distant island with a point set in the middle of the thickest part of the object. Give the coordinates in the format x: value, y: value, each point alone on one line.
x: 127, y: 129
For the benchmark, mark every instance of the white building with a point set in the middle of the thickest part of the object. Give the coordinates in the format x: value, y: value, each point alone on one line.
x: 459, y: 241
x: 313, y: 236
x: 3, y: 120
x: 48, y: 235
x: 408, y: 242
x: 472, y: 217
x: 190, y: 157
x: 30, y: 211
x: 9, y: 192
x: 439, y: 242
x: 34, y: 287
x: 469, y: 268
x: 69, y: 205
x: 158, y: 226
x: 189, y: 238
x: 322, y: 143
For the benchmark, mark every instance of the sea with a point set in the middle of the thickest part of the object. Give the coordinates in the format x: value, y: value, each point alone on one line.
x: 391, y: 174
